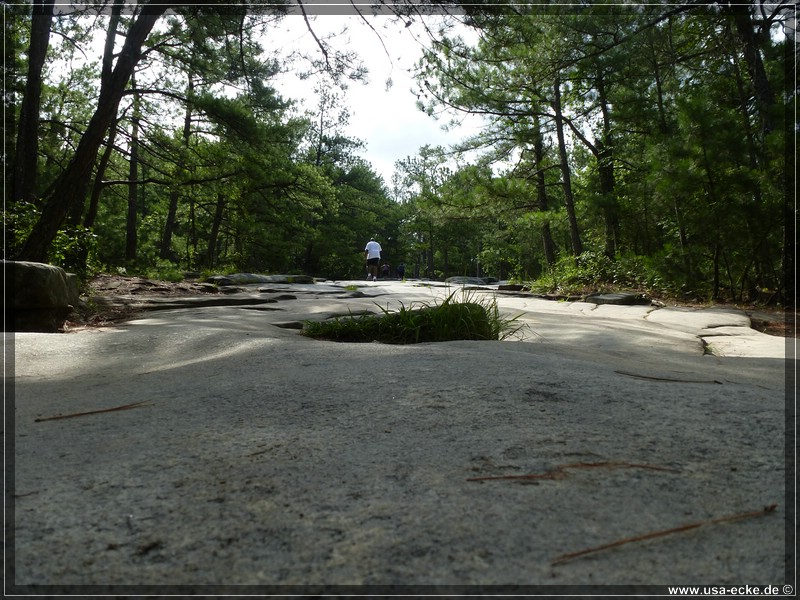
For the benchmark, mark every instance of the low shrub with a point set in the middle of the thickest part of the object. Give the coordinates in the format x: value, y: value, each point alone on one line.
x: 595, y: 272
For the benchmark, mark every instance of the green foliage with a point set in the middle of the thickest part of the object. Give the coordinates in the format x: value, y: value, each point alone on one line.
x: 500, y: 259
x: 18, y: 221
x: 75, y: 250
x: 678, y: 184
x: 163, y: 270
x: 594, y: 271
x: 675, y: 177
x: 470, y: 319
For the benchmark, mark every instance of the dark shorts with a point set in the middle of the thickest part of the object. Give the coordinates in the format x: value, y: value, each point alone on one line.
x: 373, y: 262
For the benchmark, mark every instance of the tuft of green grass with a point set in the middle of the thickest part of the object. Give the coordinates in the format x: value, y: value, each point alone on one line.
x: 471, y: 319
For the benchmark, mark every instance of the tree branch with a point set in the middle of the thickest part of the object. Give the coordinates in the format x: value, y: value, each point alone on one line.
x: 314, y: 35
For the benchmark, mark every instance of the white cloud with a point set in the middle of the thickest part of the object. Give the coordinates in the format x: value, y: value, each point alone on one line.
x: 387, y: 120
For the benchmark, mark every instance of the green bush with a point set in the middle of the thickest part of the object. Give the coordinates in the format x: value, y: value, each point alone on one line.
x: 594, y: 271
x: 18, y: 219
x: 75, y: 250
x: 165, y: 271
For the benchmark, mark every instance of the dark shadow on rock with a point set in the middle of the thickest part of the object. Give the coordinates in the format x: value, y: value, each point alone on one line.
x: 621, y: 298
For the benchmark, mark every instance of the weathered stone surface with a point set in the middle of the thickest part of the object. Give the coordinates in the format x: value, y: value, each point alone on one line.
x: 244, y: 278
x: 293, y: 461
x: 207, y: 288
x: 105, y: 284
x: 460, y: 280
x: 283, y: 297
x: 625, y: 298
x: 219, y: 280
x: 158, y: 303
x: 289, y: 324
x: 39, y: 296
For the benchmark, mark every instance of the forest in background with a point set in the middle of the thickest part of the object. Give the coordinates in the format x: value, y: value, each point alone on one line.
x: 645, y: 147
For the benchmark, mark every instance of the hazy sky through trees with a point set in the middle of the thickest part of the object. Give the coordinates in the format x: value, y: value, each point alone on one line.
x: 386, y: 118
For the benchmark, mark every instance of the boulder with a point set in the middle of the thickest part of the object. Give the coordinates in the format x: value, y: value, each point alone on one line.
x: 38, y: 297
x: 513, y: 287
x: 206, y: 288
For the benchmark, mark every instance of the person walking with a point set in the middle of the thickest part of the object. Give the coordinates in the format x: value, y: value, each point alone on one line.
x: 372, y: 254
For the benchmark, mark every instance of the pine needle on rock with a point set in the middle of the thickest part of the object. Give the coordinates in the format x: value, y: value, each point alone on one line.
x: 93, y: 412
x: 664, y: 532
x: 560, y: 471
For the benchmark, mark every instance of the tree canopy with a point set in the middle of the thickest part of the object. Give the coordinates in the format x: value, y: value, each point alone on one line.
x: 646, y: 146
x: 637, y: 146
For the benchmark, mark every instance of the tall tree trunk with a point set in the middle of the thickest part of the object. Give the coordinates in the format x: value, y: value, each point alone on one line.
x: 191, y: 238
x: 71, y: 186
x: 133, y: 178
x: 165, y: 251
x: 215, y: 225
x: 659, y: 82
x: 605, y: 168
x: 764, y: 96
x: 662, y: 115
x: 27, y: 151
x: 431, y: 265
x: 683, y: 239
x: 81, y: 257
x: 759, y: 223
x: 541, y: 191
x: 715, y: 201
x: 566, y: 179
x: 715, y: 279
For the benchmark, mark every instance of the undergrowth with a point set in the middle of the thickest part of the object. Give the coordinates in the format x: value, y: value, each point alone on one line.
x: 594, y: 272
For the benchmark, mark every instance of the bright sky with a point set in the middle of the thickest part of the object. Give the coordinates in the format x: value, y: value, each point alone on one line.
x: 387, y: 120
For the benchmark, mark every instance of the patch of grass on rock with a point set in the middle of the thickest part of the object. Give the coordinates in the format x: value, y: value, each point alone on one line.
x: 450, y: 320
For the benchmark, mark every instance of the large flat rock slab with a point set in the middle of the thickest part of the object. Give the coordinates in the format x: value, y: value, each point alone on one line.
x: 242, y: 453
x: 248, y: 278
x: 697, y: 319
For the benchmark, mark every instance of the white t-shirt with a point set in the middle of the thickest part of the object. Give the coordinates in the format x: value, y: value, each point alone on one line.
x: 373, y: 249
